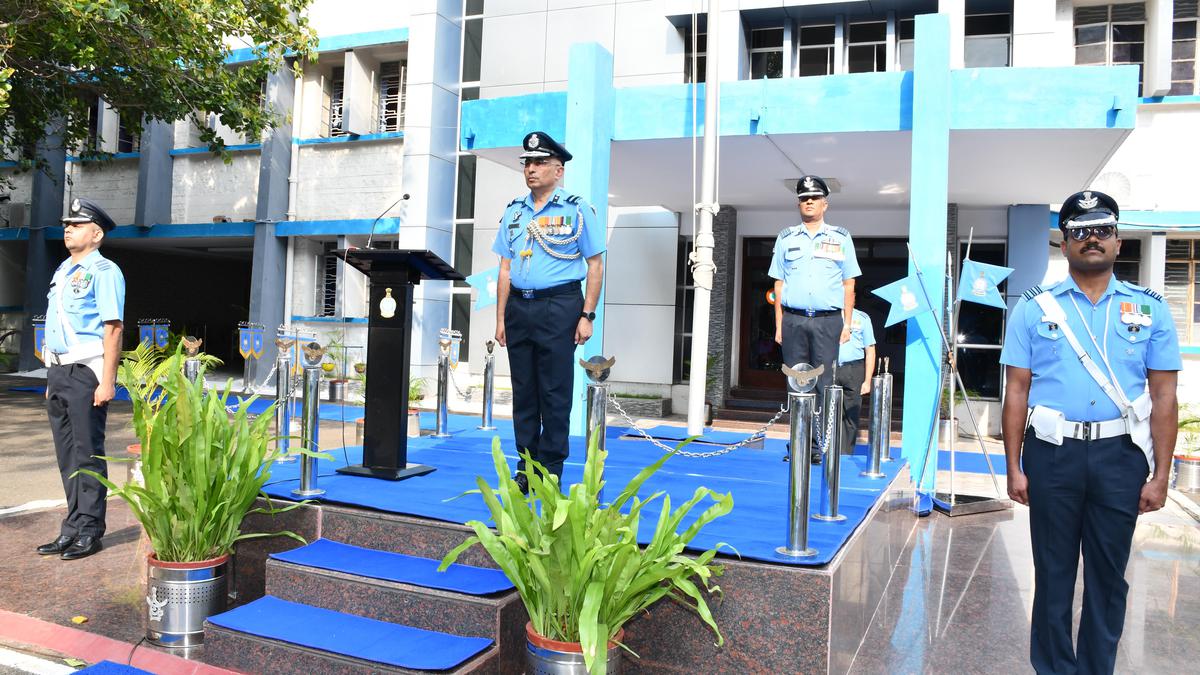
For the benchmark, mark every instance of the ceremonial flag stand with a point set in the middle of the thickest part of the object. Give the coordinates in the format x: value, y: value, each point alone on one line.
x: 952, y: 503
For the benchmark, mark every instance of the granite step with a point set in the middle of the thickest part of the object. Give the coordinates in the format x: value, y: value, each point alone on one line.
x: 399, y: 534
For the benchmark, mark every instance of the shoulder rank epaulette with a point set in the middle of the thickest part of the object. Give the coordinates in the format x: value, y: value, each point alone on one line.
x: 104, y: 265
x: 840, y: 230
x: 574, y: 199
x: 1032, y: 293
x: 518, y: 200
x: 1150, y: 292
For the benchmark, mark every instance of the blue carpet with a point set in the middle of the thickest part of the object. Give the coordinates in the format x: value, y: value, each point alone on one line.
x: 121, y: 395
x: 110, y: 668
x: 758, y: 480
x: 355, y: 636
x: 405, y: 569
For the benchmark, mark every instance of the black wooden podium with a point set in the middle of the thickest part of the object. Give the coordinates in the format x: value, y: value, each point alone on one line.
x: 389, y: 341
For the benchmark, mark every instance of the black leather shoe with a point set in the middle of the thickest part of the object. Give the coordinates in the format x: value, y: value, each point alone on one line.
x: 83, y: 546
x: 57, y: 546
x: 816, y: 457
x: 522, y: 482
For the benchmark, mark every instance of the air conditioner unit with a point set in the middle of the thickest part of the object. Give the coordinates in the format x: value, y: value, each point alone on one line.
x: 14, y: 214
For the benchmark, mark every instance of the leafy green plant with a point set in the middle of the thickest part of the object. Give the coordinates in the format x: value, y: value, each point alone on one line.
x: 1189, y: 432
x: 202, y: 469
x: 416, y: 389
x: 577, y: 565
x: 641, y: 397
x: 142, y: 371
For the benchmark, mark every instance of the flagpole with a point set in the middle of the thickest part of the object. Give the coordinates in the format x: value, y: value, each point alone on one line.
x: 955, y: 315
x: 951, y: 352
x: 945, y: 345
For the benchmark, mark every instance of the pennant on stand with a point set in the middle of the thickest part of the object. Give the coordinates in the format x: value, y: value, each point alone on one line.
x: 906, y: 297
x: 979, y: 282
x: 485, y: 282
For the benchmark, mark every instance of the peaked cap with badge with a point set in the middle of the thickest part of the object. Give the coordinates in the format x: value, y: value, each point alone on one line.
x: 1087, y: 208
x: 84, y: 210
x: 540, y: 144
x: 811, y: 186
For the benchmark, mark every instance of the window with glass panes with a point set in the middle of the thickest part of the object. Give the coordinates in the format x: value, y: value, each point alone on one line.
x: 988, y: 40
x: 337, y: 88
x: 685, y: 294
x: 1183, y: 49
x: 1183, y: 288
x: 866, y: 47
x: 1111, y: 35
x: 815, y: 53
x: 391, y: 95
x: 981, y: 330
x: 905, y: 32
x: 766, y: 53
x: 695, y: 51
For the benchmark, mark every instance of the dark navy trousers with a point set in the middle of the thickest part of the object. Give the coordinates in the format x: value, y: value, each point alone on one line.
x: 1083, y: 498
x: 78, y: 430
x: 814, y: 340
x: 850, y: 378
x: 541, y: 350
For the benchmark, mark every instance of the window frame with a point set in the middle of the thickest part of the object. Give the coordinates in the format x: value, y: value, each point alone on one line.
x: 752, y: 50
x: 1188, y: 336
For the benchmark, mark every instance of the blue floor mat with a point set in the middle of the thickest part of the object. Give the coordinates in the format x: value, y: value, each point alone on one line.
x: 110, y: 668
x: 122, y: 394
x: 758, y: 480
x: 405, y: 569
x: 350, y: 635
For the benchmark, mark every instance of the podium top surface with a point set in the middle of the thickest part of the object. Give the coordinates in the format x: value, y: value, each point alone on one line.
x: 370, y: 261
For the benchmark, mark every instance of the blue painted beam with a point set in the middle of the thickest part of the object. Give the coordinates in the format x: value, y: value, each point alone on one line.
x: 589, y: 135
x: 348, y: 226
x: 204, y: 150
x: 331, y: 43
x: 502, y: 122
x: 927, y: 239
x: 350, y: 138
x: 1150, y: 220
x: 1078, y: 97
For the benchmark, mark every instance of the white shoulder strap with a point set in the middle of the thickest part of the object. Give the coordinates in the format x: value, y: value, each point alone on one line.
x: 1055, y: 313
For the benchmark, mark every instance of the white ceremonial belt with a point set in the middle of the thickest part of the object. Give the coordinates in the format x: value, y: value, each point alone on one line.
x: 1093, y: 431
x: 85, y: 351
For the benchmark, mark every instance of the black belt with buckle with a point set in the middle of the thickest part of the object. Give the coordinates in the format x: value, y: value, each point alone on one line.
x: 811, y: 312
x: 539, y: 293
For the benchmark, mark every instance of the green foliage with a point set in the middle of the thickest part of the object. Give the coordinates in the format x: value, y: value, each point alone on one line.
x: 577, y: 565
x: 641, y: 397
x: 416, y: 389
x: 1189, y: 431
x: 150, y: 59
x: 144, y: 369
x: 202, y: 469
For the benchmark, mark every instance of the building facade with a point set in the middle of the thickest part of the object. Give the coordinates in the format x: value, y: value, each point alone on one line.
x: 938, y: 123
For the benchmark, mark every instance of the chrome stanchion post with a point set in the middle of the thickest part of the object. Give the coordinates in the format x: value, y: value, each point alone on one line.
x: 833, y: 456
x: 443, y: 389
x: 886, y: 424
x: 489, y: 386
x: 877, y: 434
x: 311, y: 401
x: 283, y: 401
x: 597, y: 369
x: 800, y: 417
x: 191, y: 364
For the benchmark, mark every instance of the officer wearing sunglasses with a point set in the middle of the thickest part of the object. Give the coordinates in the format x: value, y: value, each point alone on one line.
x: 1079, y: 452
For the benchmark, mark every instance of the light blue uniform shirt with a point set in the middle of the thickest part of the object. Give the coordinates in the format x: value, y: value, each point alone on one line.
x: 92, y: 292
x: 813, y: 266
x: 1060, y: 381
x: 862, y: 335
x: 563, y: 216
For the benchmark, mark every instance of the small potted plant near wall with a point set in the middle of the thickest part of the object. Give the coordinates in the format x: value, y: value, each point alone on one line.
x: 202, y: 470
x: 578, y: 567
x: 416, y: 392
x: 1187, y: 451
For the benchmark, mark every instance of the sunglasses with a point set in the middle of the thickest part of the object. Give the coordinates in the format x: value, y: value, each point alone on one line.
x: 811, y: 198
x: 1102, y: 232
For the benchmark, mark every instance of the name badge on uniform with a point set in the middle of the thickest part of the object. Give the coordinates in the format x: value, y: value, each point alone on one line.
x: 829, y: 249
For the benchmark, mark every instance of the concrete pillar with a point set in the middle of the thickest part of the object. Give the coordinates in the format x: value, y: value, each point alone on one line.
x: 1156, y: 72
x: 359, y: 116
x: 927, y: 233
x: 1028, y: 248
x: 1042, y: 33
x: 108, y: 127
x: 893, y: 30
x: 589, y: 135
x: 839, y: 44
x: 155, y: 168
x: 46, y: 210
x: 1154, y: 262
x: 269, y: 267
x: 734, y: 57
x: 956, y: 11
x: 723, y: 328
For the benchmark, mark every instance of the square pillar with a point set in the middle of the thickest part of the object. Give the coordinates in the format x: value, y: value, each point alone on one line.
x: 155, y: 170
x: 45, y: 211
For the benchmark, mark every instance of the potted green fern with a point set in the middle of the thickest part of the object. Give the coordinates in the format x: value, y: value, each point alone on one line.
x: 202, y: 470
x: 577, y: 565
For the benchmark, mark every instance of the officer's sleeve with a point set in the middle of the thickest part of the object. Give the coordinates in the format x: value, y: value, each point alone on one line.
x: 776, y: 270
x: 110, y: 292
x: 1163, y: 351
x: 500, y: 244
x: 868, y: 331
x: 1016, y: 351
x: 850, y: 267
x: 593, y: 239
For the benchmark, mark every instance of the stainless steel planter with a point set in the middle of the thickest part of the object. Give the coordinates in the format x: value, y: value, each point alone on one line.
x: 180, y: 597
x: 544, y: 656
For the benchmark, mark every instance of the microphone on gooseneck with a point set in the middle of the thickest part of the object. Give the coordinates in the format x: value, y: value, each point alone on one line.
x: 375, y: 222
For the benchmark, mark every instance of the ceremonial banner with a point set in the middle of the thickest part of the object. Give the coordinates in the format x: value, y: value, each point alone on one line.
x: 485, y: 282
x: 979, y: 282
x: 906, y: 297
x: 245, y: 341
x: 162, y: 334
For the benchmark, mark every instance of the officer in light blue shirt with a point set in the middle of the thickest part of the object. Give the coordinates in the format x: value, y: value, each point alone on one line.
x: 84, y: 323
x: 549, y: 241
x: 814, y: 265
x: 1078, y: 458
x: 856, y: 365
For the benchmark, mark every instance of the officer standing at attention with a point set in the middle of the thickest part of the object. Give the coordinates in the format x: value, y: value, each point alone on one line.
x: 814, y: 266
x: 82, y: 348
x: 856, y: 365
x: 549, y: 240
x: 1089, y: 413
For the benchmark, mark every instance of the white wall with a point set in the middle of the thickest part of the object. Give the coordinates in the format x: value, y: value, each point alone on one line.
x: 204, y: 187
x: 639, y: 307
x: 342, y: 17
x: 112, y: 185
x: 1043, y: 33
x: 349, y: 180
x: 1155, y: 168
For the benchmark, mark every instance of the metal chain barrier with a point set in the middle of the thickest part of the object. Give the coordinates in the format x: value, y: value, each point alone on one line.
x: 823, y: 438
x: 464, y: 395
x: 724, y: 450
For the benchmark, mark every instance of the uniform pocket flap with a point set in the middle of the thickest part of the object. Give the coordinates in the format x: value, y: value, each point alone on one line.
x: 1047, y: 424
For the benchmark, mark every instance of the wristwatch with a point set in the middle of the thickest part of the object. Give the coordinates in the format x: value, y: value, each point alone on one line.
x: 590, y: 316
